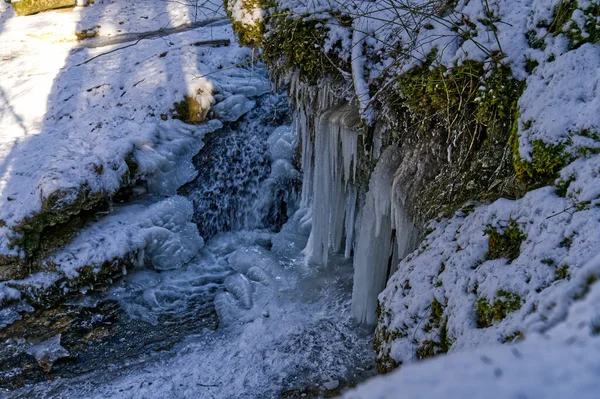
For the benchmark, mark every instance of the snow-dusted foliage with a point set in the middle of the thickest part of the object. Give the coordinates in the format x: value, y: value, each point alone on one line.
x: 561, y: 362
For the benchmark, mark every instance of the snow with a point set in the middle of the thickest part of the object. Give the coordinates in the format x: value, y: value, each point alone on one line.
x: 161, y: 235
x: 560, y: 363
x: 69, y: 125
x: 571, y: 109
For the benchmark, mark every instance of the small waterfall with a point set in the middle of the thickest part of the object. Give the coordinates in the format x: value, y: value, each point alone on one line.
x: 246, y: 178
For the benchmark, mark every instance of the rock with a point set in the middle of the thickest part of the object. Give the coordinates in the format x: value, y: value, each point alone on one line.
x: 28, y: 7
x: 48, y: 352
x: 331, y: 384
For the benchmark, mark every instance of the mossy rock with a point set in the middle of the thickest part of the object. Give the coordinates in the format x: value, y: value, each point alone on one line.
x: 189, y: 110
x: 28, y: 7
x: 12, y: 267
x: 474, y: 107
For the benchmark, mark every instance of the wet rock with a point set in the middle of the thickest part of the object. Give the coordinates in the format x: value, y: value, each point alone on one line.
x: 48, y: 352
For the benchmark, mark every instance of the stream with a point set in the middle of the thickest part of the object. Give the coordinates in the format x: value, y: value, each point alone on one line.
x: 246, y: 318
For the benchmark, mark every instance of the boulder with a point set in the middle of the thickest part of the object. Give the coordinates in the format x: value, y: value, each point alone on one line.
x: 28, y: 7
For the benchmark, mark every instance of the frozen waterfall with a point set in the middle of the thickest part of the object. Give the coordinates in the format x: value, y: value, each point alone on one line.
x: 374, y: 227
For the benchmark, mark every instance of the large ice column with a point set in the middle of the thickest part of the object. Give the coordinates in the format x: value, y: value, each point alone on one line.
x: 332, y: 172
x: 374, y: 241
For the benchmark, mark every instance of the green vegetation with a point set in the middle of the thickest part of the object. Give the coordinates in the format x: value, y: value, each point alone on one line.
x: 189, y: 110
x: 506, y: 244
x: 487, y: 313
x: 28, y: 7
x: 249, y: 34
x: 562, y: 186
x: 562, y: 273
x: 435, y: 317
x: 546, y: 161
x: 562, y: 14
x: 297, y: 43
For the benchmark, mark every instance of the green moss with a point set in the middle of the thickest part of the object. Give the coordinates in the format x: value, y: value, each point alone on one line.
x: 533, y: 40
x: 297, y: 43
x: 28, y: 7
x: 506, y: 244
x: 437, y: 311
x: 546, y: 161
x: 562, y: 273
x: 530, y: 65
x: 562, y: 186
x: 487, y: 313
x: 250, y: 34
x: 189, y: 110
x: 566, y: 242
x: 548, y: 261
x: 591, y: 29
x: 439, y: 92
x: 472, y: 105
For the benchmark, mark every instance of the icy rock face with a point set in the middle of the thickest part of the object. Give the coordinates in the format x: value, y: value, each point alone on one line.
x: 167, y: 165
x: 48, y: 352
x: 331, y: 196
x: 161, y: 234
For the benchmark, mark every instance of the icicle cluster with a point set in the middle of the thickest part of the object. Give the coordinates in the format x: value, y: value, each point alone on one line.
x: 332, y: 198
x: 329, y: 159
x: 374, y: 241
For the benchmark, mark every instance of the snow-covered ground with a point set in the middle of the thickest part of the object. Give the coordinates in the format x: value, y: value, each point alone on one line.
x: 70, y: 122
x: 560, y: 363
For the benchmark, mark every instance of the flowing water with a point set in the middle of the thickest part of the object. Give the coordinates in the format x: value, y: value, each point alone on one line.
x: 246, y: 318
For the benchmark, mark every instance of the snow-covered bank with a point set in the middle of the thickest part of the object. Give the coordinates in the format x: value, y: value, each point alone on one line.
x: 562, y: 362
x: 492, y: 107
x: 76, y: 129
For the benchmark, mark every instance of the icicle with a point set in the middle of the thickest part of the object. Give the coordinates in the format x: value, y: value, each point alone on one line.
x: 334, y: 152
x: 350, y: 219
x: 406, y: 233
x: 373, y: 248
x: 317, y: 249
x: 301, y: 123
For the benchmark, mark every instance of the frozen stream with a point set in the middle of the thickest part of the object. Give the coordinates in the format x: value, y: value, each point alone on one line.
x: 285, y: 327
x: 246, y: 318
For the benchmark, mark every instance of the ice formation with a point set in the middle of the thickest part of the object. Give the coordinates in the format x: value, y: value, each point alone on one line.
x: 374, y: 242
x: 160, y: 234
x: 332, y: 172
